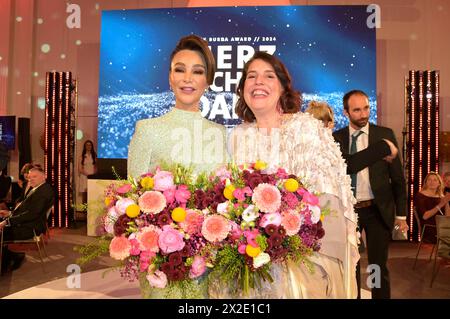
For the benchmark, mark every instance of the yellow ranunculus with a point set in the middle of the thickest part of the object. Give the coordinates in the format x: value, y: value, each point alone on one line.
x: 291, y: 185
x: 133, y: 211
x: 228, y: 192
x: 179, y: 214
x: 252, y: 251
x: 108, y: 200
x: 260, y: 165
x: 147, y: 182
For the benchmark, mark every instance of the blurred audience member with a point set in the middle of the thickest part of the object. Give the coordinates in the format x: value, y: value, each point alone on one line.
x: 446, y: 178
x: 321, y: 111
x: 27, y: 218
x: 88, y: 167
x: 429, y: 202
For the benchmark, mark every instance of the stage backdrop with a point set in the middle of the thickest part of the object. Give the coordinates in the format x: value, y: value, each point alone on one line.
x: 328, y: 50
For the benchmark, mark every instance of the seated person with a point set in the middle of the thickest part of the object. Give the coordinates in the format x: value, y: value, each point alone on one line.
x: 5, y: 187
x: 23, y: 182
x: 28, y: 216
x: 429, y: 202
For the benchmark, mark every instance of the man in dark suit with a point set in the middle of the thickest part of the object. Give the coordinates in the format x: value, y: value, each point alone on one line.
x: 379, y: 189
x: 28, y: 216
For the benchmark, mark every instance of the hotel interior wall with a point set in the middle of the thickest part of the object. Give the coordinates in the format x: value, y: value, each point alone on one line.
x: 412, y: 36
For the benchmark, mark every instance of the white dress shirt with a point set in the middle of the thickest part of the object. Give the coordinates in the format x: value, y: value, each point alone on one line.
x: 363, y: 189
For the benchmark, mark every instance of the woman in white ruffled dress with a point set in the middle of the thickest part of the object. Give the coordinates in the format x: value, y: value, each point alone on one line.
x: 274, y: 131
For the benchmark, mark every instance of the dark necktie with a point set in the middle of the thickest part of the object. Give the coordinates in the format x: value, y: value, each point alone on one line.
x: 355, y: 136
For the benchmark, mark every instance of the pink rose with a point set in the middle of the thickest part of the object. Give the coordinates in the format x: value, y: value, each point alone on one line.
x: 122, y: 204
x: 163, y: 181
x: 157, y: 279
x: 170, y: 240
x: 270, y: 219
x: 198, y: 267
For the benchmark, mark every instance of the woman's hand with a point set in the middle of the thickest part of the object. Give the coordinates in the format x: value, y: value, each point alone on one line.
x: 394, y: 151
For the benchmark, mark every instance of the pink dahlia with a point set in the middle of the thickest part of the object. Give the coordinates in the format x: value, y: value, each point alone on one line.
x: 215, y: 228
x: 198, y: 267
x: 193, y: 222
x: 148, y: 238
x: 170, y: 240
x: 158, y: 279
x: 119, y: 248
x: 152, y: 202
x: 163, y: 181
x: 267, y: 198
x: 291, y: 222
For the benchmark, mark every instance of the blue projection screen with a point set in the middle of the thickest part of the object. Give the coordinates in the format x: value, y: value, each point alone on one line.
x: 328, y: 50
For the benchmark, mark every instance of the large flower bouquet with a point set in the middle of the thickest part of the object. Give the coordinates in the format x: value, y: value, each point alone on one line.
x: 272, y: 218
x: 171, y: 229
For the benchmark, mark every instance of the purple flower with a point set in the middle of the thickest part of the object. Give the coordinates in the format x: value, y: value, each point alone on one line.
x: 175, y: 258
x: 121, y: 225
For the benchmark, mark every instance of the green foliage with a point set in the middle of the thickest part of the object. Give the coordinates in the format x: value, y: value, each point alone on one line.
x: 229, y: 263
x: 236, y: 175
x: 261, y: 241
x: 299, y: 253
x: 184, y: 289
x: 231, y: 269
x: 93, y: 250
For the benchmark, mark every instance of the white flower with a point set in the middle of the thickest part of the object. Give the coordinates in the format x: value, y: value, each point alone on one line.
x: 222, y: 208
x: 315, y: 213
x: 261, y: 259
x: 250, y: 213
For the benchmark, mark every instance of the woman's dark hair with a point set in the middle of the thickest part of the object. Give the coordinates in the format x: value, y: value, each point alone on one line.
x: 290, y: 99
x: 195, y: 43
x: 94, y: 155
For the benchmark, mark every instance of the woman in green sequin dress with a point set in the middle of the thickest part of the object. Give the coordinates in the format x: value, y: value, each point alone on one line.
x: 182, y: 135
